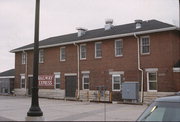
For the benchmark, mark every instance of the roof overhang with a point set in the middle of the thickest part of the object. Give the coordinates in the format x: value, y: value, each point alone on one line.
x: 100, y: 38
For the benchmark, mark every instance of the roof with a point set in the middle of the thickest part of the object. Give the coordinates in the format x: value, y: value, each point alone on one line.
x: 8, y: 74
x: 149, y: 26
x: 169, y: 99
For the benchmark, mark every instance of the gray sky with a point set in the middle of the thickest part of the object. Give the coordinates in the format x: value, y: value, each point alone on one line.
x: 60, y: 17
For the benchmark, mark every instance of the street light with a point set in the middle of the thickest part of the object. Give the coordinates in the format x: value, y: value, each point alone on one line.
x: 35, y: 110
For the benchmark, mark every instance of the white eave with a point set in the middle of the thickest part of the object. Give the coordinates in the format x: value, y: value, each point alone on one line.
x: 100, y: 38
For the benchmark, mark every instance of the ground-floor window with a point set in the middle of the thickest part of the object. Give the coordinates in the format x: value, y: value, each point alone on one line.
x: 22, y: 85
x: 116, y: 82
x: 85, y: 80
x: 152, y: 81
x: 57, y: 81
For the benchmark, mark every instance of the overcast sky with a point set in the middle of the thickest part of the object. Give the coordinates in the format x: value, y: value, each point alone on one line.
x: 58, y: 17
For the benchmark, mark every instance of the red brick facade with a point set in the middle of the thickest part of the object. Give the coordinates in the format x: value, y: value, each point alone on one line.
x: 164, y: 53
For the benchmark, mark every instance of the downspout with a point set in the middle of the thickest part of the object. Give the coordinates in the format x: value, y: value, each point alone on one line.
x: 26, y: 74
x: 139, y: 68
x: 78, y: 67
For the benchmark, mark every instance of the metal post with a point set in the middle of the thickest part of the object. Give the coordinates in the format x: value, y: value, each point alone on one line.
x: 35, y: 110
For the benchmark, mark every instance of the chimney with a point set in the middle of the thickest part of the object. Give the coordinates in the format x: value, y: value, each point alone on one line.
x: 138, y: 23
x: 108, y: 24
x: 81, y: 31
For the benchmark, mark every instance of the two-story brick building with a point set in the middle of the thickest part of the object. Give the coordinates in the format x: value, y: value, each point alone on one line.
x: 147, y: 52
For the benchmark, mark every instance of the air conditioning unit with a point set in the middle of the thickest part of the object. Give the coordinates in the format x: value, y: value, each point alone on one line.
x: 130, y: 92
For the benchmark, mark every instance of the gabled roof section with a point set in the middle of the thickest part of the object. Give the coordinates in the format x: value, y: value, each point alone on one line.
x: 8, y: 73
x: 149, y: 26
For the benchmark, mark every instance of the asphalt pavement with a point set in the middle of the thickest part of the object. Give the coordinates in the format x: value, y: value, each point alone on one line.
x: 15, y: 108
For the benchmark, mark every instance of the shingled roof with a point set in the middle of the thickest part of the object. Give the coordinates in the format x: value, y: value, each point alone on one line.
x: 149, y: 26
x: 8, y: 73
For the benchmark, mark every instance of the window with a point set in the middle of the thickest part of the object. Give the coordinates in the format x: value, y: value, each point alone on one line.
x: 116, y: 82
x: 57, y: 80
x: 152, y: 81
x: 145, y: 45
x: 98, y: 50
x: 24, y: 58
x: 85, y: 80
x: 62, y: 54
x: 22, y: 85
x: 41, y: 56
x: 118, y: 48
x: 83, y: 51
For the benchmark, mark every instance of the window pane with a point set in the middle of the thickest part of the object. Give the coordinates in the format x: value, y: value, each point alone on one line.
x: 86, y: 80
x: 116, y: 86
x: 22, y: 83
x: 152, y: 76
x: 57, y: 85
x: 57, y: 80
x: 152, y: 86
x: 86, y: 86
x: 145, y: 45
x: 117, y: 79
x: 98, y: 50
x: 62, y: 54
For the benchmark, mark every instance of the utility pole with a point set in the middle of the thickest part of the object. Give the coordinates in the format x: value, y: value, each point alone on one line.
x: 35, y: 113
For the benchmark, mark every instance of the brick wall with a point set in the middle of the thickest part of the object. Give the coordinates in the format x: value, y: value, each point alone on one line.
x: 162, y: 49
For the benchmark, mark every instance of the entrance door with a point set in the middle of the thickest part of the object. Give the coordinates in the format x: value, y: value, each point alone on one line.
x: 30, y: 81
x: 70, y: 86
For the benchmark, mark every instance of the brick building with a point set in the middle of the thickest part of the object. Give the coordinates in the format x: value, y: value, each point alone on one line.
x: 147, y: 52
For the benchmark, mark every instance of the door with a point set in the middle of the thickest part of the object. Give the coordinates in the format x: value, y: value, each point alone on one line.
x: 70, y: 86
x: 30, y: 81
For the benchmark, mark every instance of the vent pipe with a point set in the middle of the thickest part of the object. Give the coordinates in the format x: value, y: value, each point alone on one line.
x: 81, y: 31
x: 138, y: 23
x: 108, y: 24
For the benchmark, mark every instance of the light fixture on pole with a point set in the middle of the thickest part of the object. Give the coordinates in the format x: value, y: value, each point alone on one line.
x: 35, y: 112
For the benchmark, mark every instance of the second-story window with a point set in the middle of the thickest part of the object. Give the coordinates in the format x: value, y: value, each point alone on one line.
x: 118, y: 48
x: 23, y: 58
x: 41, y: 56
x: 83, y: 51
x: 62, y: 54
x: 98, y: 49
x: 145, y: 45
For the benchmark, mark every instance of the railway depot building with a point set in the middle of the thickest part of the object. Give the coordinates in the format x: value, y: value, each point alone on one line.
x: 81, y: 65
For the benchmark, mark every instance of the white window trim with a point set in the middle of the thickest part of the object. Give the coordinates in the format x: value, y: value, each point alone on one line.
x: 151, y: 69
x: 84, y: 76
x: 148, y: 81
x: 115, y: 48
x: 81, y: 50
x: 22, y: 76
x: 70, y: 74
x: 95, y: 49
x: 56, y: 75
x: 141, y: 45
x: 114, y: 75
x: 61, y: 54
x: 85, y: 72
x: 176, y: 69
x: 40, y: 56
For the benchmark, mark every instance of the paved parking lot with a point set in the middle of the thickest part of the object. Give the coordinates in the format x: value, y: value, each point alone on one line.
x: 16, y: 107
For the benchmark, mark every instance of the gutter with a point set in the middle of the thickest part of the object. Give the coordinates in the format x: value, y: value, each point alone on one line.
x: 99, y: 38
x: 78, y: 67
x: 139, y: 68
